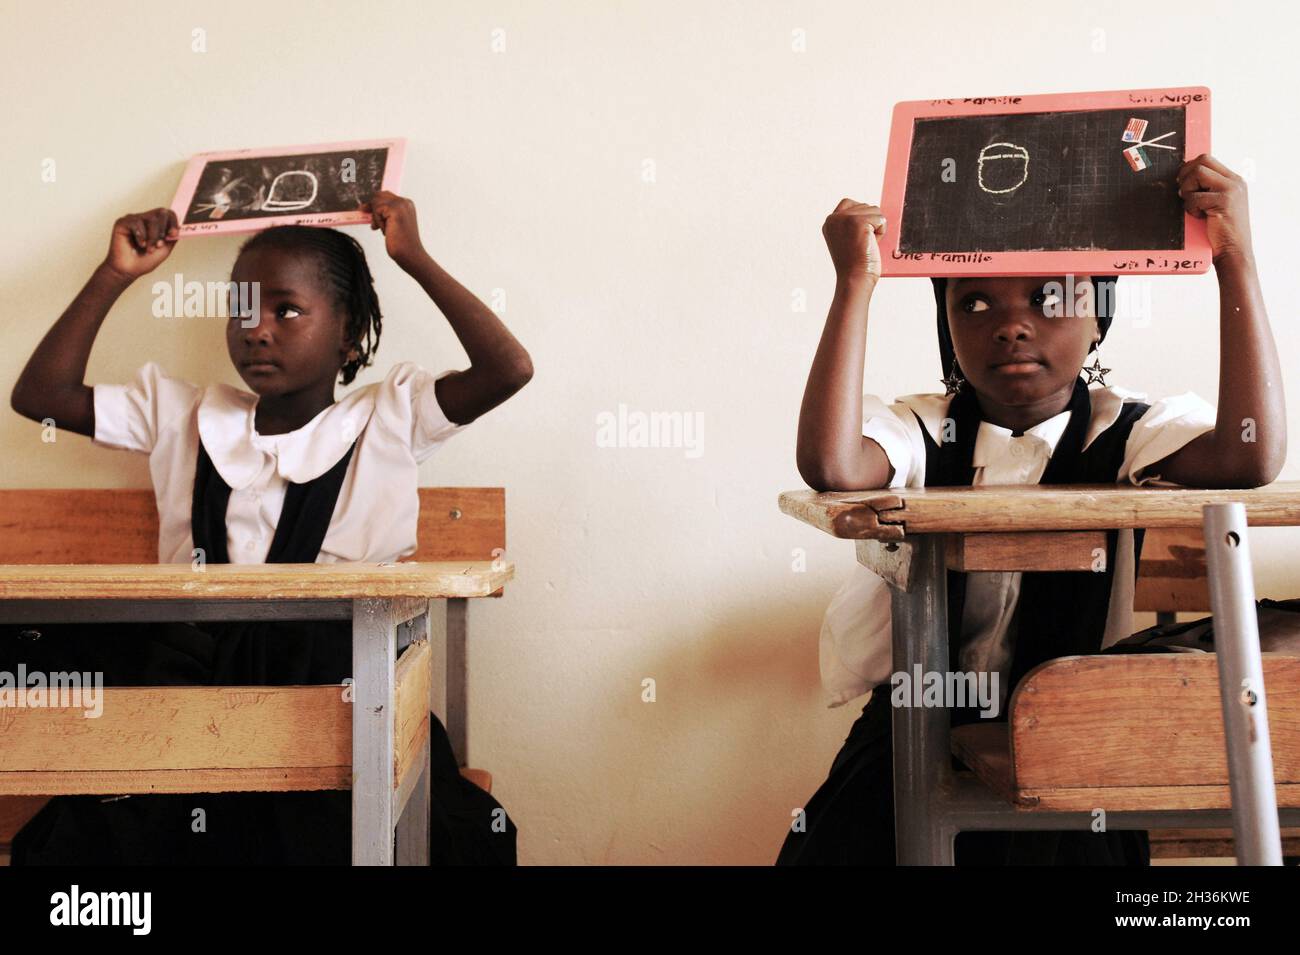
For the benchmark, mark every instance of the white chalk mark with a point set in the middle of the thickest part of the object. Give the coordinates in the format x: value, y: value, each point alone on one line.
x: 1157, y: 139
x: 1015, y: 152
x: 289, y: 205
x: 1159, y: 145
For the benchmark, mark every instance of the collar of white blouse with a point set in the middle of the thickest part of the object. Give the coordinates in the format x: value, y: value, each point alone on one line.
x: 226, y: 419
x: 995, y: 443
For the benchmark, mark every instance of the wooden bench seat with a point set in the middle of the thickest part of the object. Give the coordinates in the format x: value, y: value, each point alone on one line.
x: 1131, y: 732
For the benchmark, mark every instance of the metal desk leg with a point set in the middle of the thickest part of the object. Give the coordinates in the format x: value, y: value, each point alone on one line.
x: 458, y: 679
x: 1255, y: 827
x: 449, y: 695
x: 922, y: 758
x: 374, y: 658
x: 413, y: 827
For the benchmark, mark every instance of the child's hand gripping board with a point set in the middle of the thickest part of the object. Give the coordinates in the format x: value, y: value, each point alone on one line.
x: 248, y: 190
x: 1044, y: 185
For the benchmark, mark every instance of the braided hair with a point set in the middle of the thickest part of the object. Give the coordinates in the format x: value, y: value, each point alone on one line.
x: 343, y: 267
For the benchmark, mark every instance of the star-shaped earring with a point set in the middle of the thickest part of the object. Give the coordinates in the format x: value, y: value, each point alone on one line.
x: 1095, y: 372
x: 954, y: 381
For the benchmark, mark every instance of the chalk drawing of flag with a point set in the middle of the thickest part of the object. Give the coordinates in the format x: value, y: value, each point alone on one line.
x: 1134, y: 130
x: 1137, y: 158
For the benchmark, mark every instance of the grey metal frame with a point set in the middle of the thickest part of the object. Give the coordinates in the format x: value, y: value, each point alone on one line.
x: 381, y: 628
x: 1255, y: 828
x: 932, y: 803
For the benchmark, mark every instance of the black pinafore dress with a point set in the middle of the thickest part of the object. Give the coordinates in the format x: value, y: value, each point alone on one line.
x: 467, y: 826
x: 850, y: 819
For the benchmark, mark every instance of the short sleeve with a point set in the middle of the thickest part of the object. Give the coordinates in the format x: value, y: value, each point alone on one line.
x: 409, y: 405
x: 888, y: 426
x: 130, y: 417
x: 1168, y: 425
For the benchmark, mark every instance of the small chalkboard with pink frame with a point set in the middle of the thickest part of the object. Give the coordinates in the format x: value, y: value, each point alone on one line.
x: 247, y: 190
x: 1044, y: 185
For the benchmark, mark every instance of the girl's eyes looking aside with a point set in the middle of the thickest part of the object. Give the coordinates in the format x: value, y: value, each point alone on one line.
x: 1045, y: 300
x: 280, y: 312
x: 1041, y: 299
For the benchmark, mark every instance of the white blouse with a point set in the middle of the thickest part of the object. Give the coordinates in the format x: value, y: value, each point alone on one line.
x: 856, y: 648
x: 397, y: 424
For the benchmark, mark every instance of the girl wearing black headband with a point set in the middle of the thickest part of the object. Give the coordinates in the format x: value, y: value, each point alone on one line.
x: 1012, y: 350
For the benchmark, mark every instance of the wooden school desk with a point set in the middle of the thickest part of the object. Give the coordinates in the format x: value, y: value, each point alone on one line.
x: 910, y: 537
x: 263, y: 738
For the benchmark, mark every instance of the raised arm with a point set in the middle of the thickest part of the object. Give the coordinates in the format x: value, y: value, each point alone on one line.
x: 52, y: 384
x: 831, y: 453
x: 499, y: 364
x: 1247, y: 447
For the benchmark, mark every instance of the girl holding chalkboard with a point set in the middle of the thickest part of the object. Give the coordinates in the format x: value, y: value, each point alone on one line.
x: 1015, y: 411
x: 281, y: 473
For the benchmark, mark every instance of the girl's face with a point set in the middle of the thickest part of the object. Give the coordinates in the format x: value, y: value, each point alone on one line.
x: 299, y: 341
x: 1020, y: 343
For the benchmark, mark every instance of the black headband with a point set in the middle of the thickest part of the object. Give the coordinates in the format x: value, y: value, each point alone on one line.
x: 1103, y: 299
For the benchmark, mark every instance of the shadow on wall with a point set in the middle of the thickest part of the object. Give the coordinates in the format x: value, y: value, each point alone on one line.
x: 714, y: 778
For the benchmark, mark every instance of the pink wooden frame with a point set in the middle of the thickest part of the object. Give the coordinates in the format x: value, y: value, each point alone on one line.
x: 1194, y: 257
x: 194, y: 169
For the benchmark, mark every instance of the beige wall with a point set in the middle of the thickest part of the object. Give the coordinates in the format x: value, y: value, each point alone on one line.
x: 677, y: 295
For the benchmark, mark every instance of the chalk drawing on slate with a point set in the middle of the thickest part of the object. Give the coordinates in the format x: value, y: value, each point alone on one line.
x: 1012, y: 156
x: 264, y: 186
x: 1081, y: 194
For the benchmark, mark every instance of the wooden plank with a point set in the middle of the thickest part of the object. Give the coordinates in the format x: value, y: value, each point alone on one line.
x: 253, y: 581
x: 1208, y: 843
x: 181, y: 728
x: 479, y: 777
x: 1126, y: 720
x: 120, y: 526
x: 135, y: 781
x: 1070, y: 550
x: 885, y: 514
x: 411, y: 707
x: 74, y: 526
x: 986, y: 749
x: 1172, y: 572
x: 1142, y: 798
x: 848, y: 514
x: 461, y: 523
x: 1171, y: 575
x: 202, y: 739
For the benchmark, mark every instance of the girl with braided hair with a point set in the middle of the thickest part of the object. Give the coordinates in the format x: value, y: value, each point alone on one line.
x: 281, y: 473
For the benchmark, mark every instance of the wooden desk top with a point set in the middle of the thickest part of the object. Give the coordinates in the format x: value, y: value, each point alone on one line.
x: 251, y: 581
x: 891, y: 513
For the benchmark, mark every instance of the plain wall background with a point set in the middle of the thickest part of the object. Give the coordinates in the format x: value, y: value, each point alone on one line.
x: 682, y: 294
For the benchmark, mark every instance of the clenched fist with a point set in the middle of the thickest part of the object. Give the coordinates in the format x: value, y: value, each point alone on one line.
x: 850, y: 233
